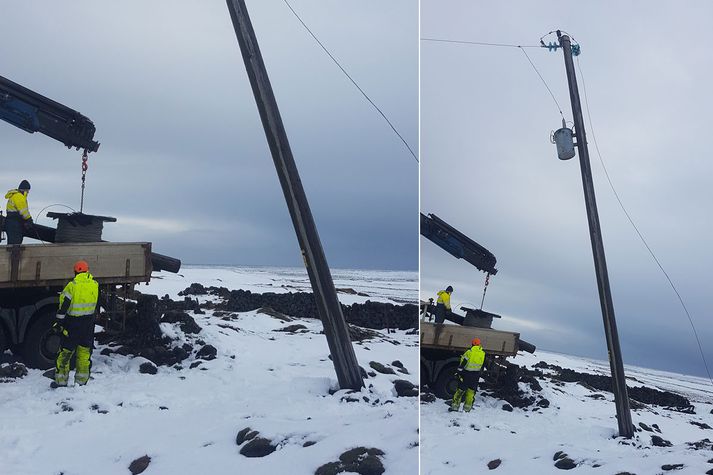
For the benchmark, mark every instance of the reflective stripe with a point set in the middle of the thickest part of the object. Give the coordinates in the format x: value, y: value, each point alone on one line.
x: 81, y: 313
x: 67, y: 295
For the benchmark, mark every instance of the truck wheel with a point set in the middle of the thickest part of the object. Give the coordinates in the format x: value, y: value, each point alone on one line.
x: 3, y: 341
x: 446, y: 383
x: 40, y: 347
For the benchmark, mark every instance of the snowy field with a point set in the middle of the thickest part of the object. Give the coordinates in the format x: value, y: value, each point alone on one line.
x: 579, y: 421
x: 187, y: 420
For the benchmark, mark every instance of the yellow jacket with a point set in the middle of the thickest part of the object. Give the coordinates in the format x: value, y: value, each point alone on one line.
x: 472, y: 360
x: 17, y: 203
x: 444, y: 298
x: 82, y: 293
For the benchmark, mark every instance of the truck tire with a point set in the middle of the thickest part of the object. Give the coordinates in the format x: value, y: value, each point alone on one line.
x: 4, y: 344
x: 40, y: 347
x: 446, y: 383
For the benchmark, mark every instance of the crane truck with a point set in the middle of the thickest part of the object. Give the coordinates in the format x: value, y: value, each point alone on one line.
x: 443, y: 344
x: 33, y: 275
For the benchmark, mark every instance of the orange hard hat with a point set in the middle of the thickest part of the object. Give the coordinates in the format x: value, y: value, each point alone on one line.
x: 475, y: 342
x: 81, y: 266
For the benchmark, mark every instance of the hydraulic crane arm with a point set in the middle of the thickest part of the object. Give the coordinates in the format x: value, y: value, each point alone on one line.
x: 457, y: 244
x: 33, y: 112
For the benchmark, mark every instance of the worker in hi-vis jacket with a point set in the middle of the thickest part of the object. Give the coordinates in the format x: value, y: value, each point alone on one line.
x: 471, y: 363
x: 443, y: 304
x: 18, y: 213
x: 75, y: 324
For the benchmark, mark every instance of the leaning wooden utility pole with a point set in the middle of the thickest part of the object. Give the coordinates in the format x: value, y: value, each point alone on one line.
x: 621, y: 397
x: 328, y: 307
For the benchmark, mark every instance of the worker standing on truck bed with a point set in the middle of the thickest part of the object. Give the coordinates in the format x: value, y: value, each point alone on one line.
x: 471, y: 363
x: 18, y: 213
x: 75, y: 322
x: 443, y: 304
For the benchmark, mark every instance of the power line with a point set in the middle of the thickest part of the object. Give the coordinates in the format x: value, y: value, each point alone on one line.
x: 543, y: 80
x: 506, y: 45
x: 643, y: 240
x: 480, y: 43
x: 352, y: 80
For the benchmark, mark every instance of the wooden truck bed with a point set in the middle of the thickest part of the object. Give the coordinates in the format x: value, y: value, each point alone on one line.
x: 457, y: 338
x: 51, y: 265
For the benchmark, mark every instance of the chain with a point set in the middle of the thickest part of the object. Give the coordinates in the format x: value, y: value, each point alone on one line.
x: 485, y: 289
x: 85, y: 167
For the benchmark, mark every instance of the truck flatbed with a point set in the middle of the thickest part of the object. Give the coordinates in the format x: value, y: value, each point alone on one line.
x: 457, y: 338
x: 51, y: 265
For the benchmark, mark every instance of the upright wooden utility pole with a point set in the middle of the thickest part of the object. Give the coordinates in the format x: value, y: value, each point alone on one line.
x: 328, y: 307
x: 621, y: 397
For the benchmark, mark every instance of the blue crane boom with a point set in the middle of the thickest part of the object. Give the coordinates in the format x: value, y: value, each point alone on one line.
x: 457, y: 244
x: 33, y: 112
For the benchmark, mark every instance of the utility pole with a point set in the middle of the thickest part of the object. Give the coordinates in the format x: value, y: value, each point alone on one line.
x: 328, y: 307
x: 621, y: 397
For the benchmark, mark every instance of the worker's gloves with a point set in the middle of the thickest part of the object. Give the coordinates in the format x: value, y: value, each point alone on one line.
x: 58, y: 325
x: 57, y: 328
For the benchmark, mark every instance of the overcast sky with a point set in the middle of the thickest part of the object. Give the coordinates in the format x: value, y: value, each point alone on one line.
x: 184, y: 162
x: 489, y: 169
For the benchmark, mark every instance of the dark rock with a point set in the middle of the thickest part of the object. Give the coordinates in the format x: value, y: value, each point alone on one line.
x: 493, y: 464
x: 185, y: 321
x: 709, y: 472
x: 309, y: 443
x: 534, y: 383
x: 704, y: 444
x: 13, y: 370
x: 558, y: 455
x: 645, y: 427
x: 331, y: 468
x: 669, y: 467
x: 258, y: 447
x: 543, y: 403
x: 362, y: 334
x: 194, y: 289
x: 375, y: 315
x: 139, y: 465
x: 702, y: 425
x: 208, y: 352
x: 241, y: 437
x: 405, y: 388
x: 428, y: 397
x: 507, y: 407
x: 195, y: 364
x: 148, y: 368
x: 659, y: 442
x: 381, y: 368
x: 600, y: 382
x: 291, y: 328
x: 565, y: 463
x: 397, y: 364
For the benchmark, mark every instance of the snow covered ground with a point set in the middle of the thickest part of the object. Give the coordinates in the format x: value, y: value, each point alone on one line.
x: 187, y: 420
x: 577, y: 422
